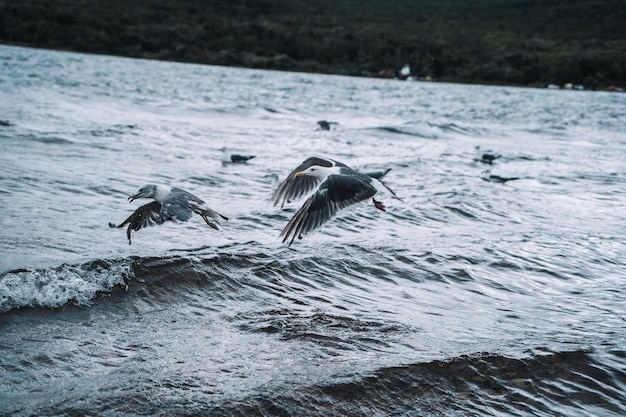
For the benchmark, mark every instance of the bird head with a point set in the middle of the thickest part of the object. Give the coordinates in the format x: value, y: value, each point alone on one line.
x: 316, y: 171
x: 147, y: 191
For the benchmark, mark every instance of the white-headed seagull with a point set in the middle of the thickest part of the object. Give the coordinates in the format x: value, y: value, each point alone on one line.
x: 338, y: 186
x: 170, y: 204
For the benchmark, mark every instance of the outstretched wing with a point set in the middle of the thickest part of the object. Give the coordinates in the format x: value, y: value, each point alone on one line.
x: 295, y: 187
x: 335, y: 193
x: 181, y: 205
x: 378, y: 174
x: 177, y: 206
x: 146, y: 215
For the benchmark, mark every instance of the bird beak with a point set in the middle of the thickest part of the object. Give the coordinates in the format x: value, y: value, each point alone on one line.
x: 134, y: 197
x: 299, y: 174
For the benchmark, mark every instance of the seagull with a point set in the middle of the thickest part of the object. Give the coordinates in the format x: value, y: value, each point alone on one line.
x: 236, y: 158
x: 228, y: 156
x: 485, y: 158
x: 170, y: 204
x: 498, y: 178
x: 338, y: 186
x: 325, y: 125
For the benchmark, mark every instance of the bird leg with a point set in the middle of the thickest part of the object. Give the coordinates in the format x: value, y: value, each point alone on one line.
x: 206, y: 219
x: 379, y: 204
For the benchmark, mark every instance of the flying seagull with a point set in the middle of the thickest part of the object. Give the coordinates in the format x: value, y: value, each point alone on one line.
x: 338, y: 186
x: 485, y: 158
x: 170, y: 204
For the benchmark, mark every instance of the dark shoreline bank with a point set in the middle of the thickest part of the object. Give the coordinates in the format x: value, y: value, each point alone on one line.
x: 490, y: 42
x: 476, y: 83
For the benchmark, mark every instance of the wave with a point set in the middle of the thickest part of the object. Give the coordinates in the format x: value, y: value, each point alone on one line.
x: 429, y: 130
x: 318, y: 273
x: 80, y: 284
x: 66, y: 284
x: 220, y: 272
x: 542, y: 384
x: 552, y: 384
x: 223, y: 270
x: 48, y: 140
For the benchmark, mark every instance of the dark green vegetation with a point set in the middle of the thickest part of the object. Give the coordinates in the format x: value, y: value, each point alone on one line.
x: 524, y: 42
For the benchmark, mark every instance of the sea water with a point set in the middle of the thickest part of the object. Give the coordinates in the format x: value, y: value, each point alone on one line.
x: 467, y: 296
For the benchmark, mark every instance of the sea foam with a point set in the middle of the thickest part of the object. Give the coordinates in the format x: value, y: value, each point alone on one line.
x: 55, y: 287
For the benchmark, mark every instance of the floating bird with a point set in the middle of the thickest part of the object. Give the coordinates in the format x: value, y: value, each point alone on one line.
x: 235, y: 158
x: 170, y: 204
x: 485, y: 158
x: 338, y: 186
x: 325, y: 125
x: 498, y: 178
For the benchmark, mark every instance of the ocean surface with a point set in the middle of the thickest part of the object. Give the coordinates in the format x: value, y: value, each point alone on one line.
x: 467, y: 297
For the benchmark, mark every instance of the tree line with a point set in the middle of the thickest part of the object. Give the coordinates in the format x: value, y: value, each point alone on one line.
x: 518, y: 42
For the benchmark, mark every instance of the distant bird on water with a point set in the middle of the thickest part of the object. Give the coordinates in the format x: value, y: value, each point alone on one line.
x: 338, y: 186
x: 497, y: 178
x: 485, y: 158
x: 236, y: 158
x: 228, y: 156
x: 325, y: 125
x: 170, y: 204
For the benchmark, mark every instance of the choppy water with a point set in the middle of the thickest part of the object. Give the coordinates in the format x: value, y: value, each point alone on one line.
x: 468, y: 297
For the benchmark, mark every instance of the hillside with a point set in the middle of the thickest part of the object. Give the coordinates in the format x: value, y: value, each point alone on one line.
x: 521, y: 42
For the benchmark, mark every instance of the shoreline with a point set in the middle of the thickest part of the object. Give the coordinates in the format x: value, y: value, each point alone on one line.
x: 607, y: 88
x: 484, y: 42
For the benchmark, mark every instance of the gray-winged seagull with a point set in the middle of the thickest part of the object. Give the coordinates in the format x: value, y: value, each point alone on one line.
x: 339, y: 186
x: 170, y: 204
x: 485, y: 158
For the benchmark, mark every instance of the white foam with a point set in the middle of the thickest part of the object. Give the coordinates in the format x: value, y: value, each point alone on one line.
x: 54, y: 287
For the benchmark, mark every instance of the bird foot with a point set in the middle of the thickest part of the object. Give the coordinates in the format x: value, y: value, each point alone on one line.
x: 210, y: 223
x: 379, y: 204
